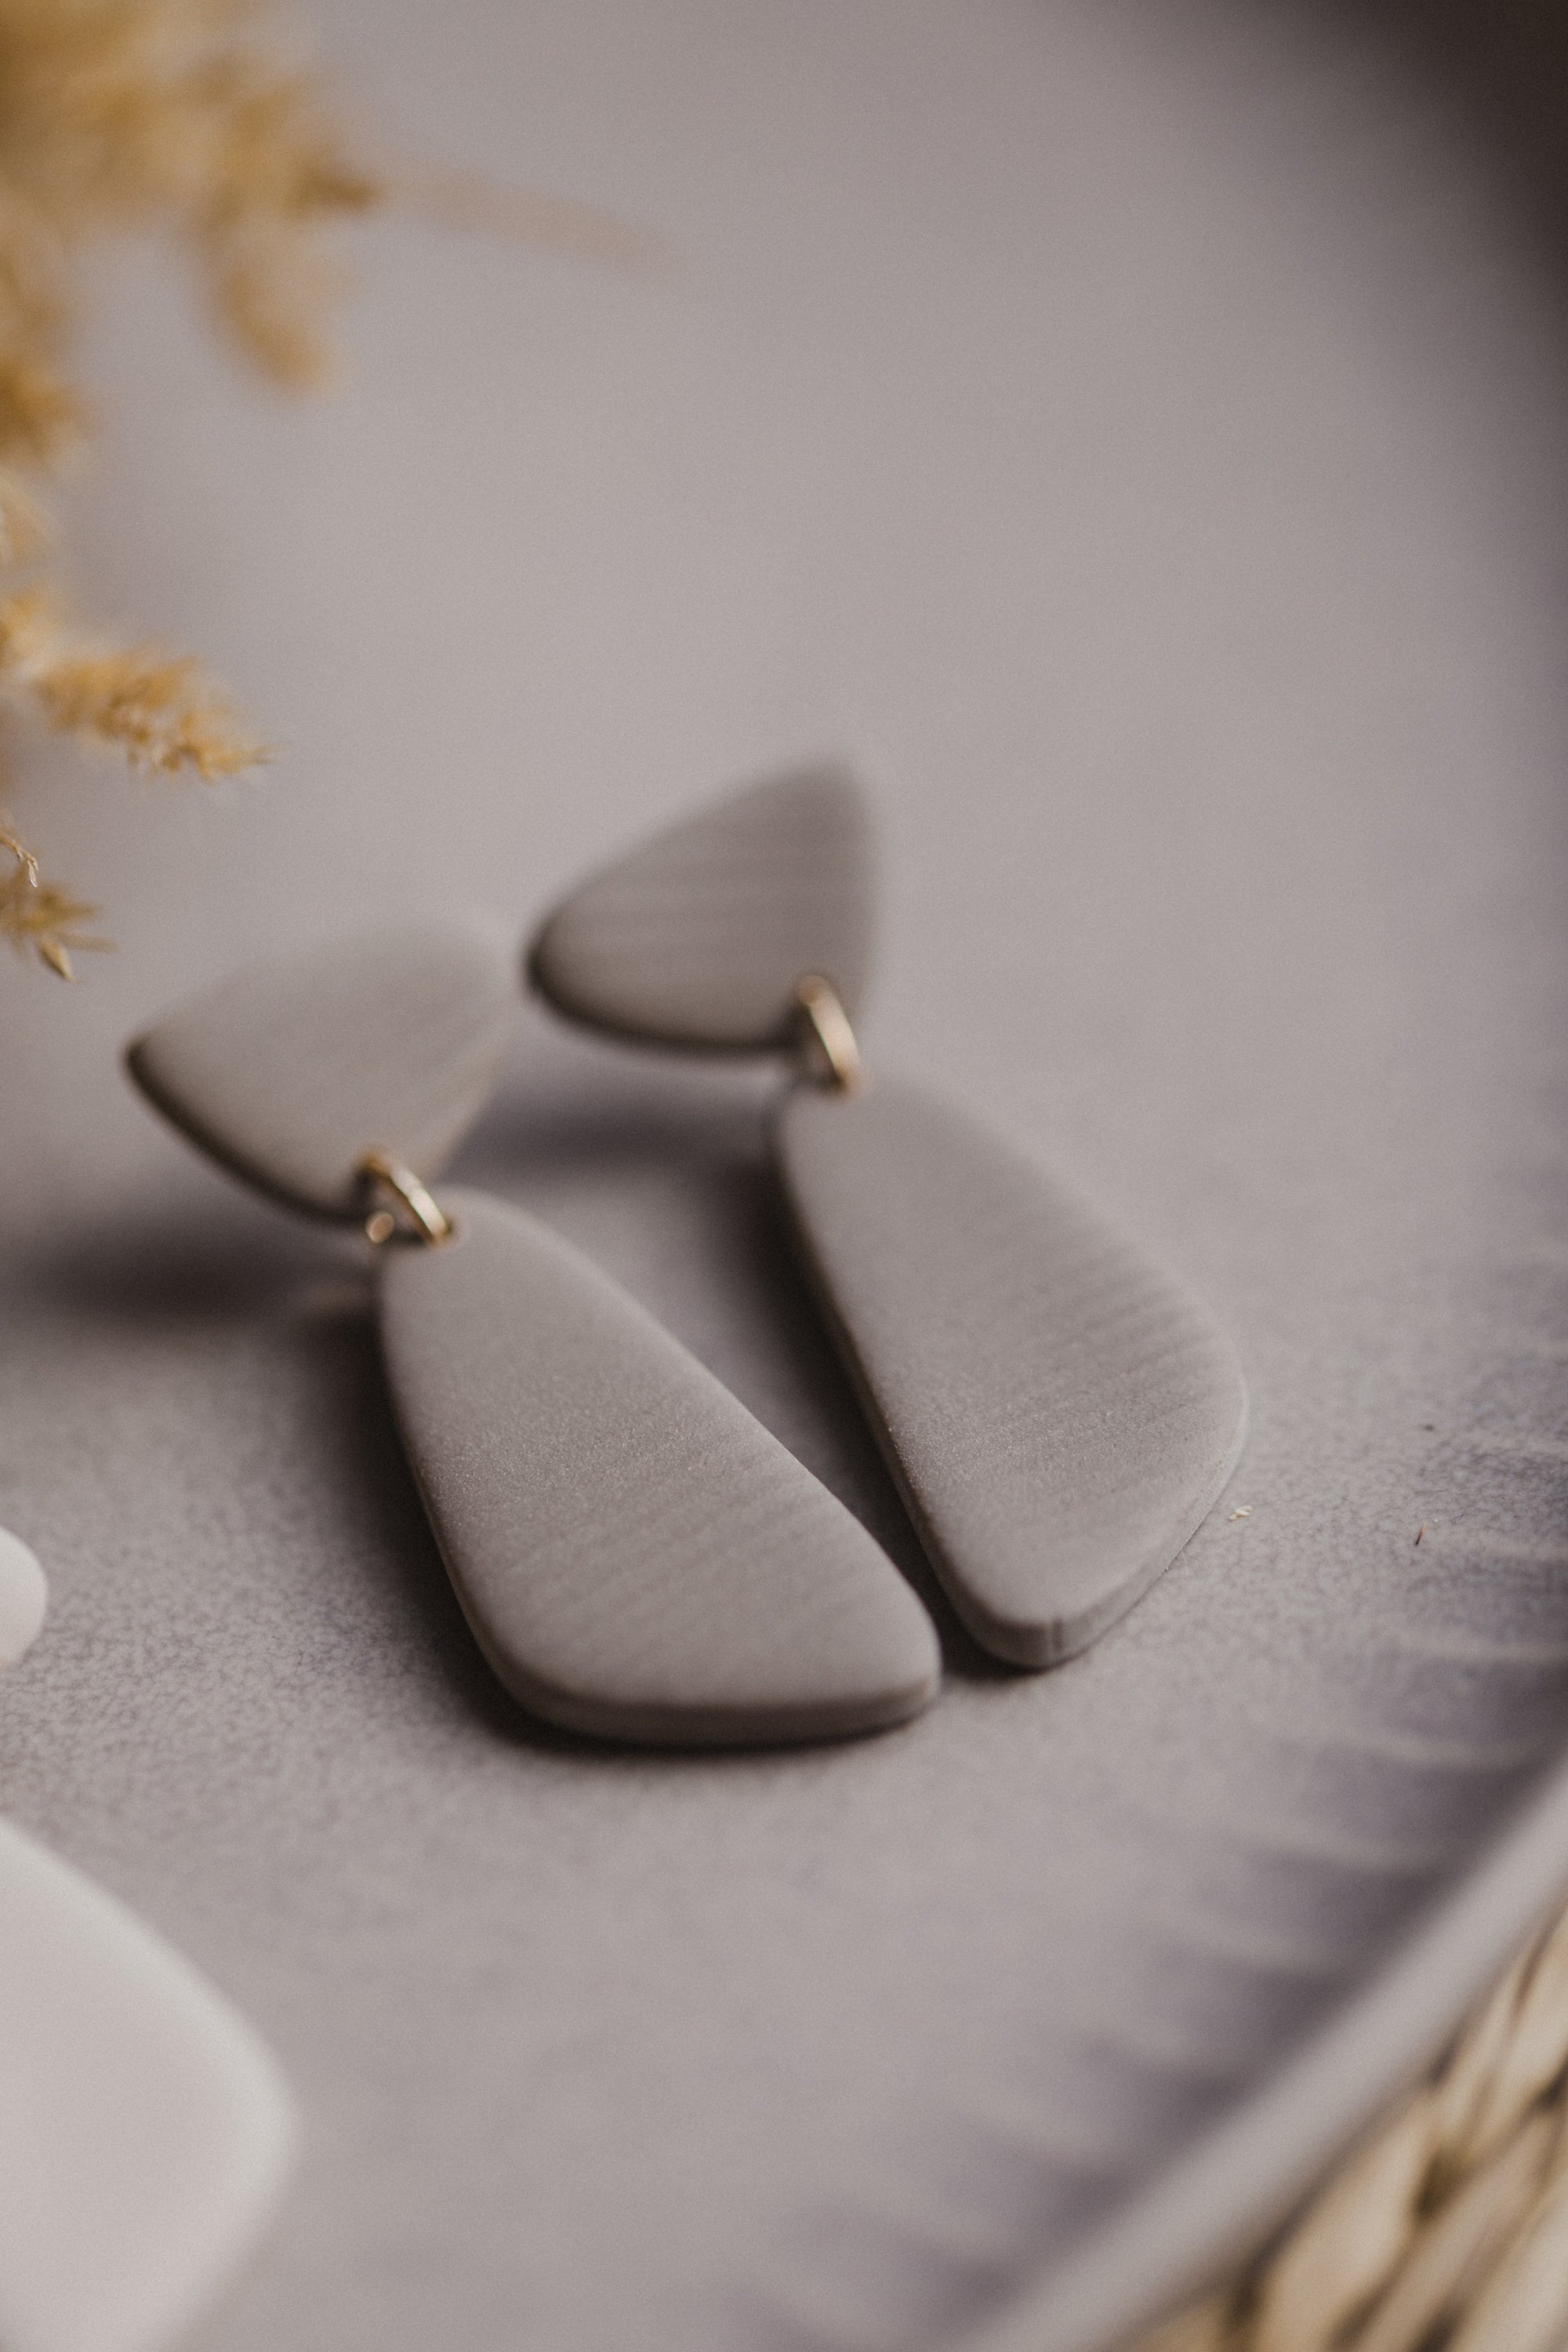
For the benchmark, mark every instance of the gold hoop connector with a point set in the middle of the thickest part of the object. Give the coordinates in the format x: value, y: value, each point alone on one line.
x: 830, y: 1045
x: 424, y: 1216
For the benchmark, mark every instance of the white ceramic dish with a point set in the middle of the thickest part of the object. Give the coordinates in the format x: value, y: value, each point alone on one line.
x: 144, y: 2136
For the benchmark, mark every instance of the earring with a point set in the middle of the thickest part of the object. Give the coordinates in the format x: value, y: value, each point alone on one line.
x: 637, y: 1558
x: 1059, y: 1413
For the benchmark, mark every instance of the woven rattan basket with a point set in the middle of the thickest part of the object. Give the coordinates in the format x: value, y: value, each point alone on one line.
x: 1447, y: 2229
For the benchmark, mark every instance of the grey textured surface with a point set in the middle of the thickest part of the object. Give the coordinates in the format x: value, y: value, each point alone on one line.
x: 639, y: 1556
x: 698, y: 937
x: 1139, y: 423
x: 1059, y: 1413
x: 287, y: 1071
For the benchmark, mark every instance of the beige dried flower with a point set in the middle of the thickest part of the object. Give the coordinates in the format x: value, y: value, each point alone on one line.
x: 180, y: 116
x: 114, y: 115
x: 24, y: 525
x: 118, y: 114
x: 158, y: 710
x: 42, y: 421
x: 38, y: 918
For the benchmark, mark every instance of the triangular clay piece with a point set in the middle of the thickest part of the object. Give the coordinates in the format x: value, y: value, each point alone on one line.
x: 638, y: 1556
x: 1060, y: 1414
x: 287, y: 1072
x: 698, y: 937
x: 145, y: 2134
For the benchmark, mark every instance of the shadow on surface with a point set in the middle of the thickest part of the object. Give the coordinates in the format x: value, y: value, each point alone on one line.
x: 203, y: 1254
x: 1503, y: 66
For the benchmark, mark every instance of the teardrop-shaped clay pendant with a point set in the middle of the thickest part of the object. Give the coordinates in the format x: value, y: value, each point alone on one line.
x: 699, y: 938
x: 287, y: 1072
x: 145, y: 2133
x: 638, y: 1556
x: 1059, y: 1413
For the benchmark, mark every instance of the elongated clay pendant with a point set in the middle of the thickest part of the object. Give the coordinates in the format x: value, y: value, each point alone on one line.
x: 145, y: 2133
x: 1060, y: 1413
x: 638, y: 1556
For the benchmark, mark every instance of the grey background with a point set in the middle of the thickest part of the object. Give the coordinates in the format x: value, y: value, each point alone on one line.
x: 1133, y: 426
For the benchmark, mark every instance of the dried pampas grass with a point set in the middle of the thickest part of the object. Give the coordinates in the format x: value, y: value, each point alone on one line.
x: 187, y: 118
x: 161, y: 713
x: 176, y: 115
x: 37, y: 915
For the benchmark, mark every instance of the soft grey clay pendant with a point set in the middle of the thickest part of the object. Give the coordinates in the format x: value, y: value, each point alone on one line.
x: 1059, y: 1413
x: 286, y: 1072
x: 636, y: 1556
x: 698, y: 937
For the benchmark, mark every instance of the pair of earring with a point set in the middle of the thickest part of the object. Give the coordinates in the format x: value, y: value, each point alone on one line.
x: 638, y: 1556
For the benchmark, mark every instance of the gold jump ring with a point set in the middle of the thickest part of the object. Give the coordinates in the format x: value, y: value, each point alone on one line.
x: 828, y: 1035
x: 425, y: 1214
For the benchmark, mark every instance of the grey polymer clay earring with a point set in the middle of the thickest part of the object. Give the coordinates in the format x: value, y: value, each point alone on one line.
x: 638, y: 1559
x: 1059, y: 1413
